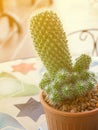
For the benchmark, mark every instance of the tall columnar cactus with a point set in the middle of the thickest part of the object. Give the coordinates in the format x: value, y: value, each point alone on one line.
x: 50, y: 41
x: 63, y: 80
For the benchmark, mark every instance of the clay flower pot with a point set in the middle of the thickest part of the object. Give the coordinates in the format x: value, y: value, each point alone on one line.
x: 58, y: 120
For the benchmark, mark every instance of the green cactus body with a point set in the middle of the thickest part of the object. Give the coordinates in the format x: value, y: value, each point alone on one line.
x: 82, y: 63
x: 50, y: 41
x: 63, y: 80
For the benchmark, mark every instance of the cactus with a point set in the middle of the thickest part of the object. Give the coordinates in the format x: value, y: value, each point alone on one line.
x: 82, y: 63
x: 62, y: 80
x: 50, y: 41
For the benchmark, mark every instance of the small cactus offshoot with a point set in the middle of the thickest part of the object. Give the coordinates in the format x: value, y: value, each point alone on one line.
x: 63, y: 79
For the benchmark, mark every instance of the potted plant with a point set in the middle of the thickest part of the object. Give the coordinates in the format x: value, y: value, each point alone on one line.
x: 70, y: 93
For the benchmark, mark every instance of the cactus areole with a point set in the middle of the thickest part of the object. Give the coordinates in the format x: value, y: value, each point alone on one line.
x: 63, y: 79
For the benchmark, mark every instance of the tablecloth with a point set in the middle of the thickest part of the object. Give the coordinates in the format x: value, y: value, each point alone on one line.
x: 19, y: 91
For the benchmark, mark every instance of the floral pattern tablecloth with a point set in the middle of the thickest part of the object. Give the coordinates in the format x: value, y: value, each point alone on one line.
x: 20, y: 77
x: 19, y: 91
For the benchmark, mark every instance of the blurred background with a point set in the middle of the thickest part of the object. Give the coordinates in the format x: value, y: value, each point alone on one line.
x: 77, y: 15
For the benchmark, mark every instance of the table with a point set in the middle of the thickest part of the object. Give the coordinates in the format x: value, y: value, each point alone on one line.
x: 15, y: 79
x: 19, y: 93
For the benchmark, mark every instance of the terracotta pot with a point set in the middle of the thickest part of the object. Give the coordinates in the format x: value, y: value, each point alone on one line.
x: 58, y: 120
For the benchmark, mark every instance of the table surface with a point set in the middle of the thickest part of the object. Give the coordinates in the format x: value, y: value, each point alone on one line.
x: 18, y: 101
x: 22, y: 73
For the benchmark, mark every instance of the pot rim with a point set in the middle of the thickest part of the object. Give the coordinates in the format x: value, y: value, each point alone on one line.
x: 70, y: 114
